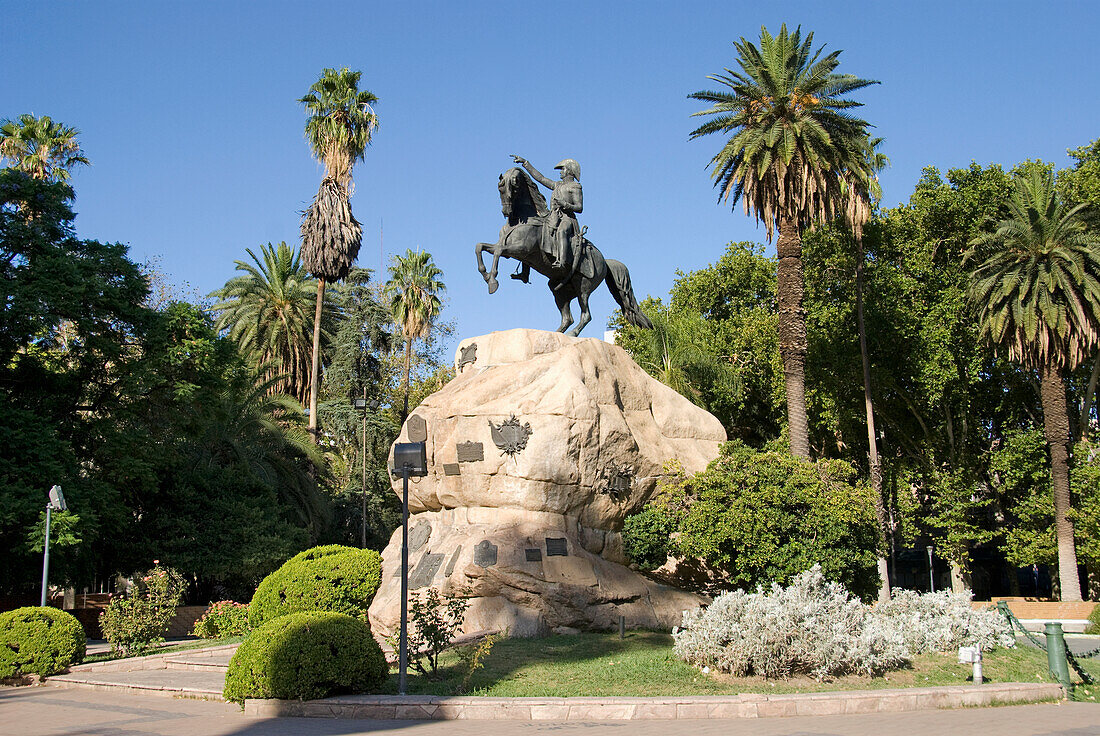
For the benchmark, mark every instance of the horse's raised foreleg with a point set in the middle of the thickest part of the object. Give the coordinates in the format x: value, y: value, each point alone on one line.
x: 582, y: 300
x: 562, y: 301
x: 489, y: 276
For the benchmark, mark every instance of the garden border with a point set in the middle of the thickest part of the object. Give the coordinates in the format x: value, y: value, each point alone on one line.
x: 745, y: 705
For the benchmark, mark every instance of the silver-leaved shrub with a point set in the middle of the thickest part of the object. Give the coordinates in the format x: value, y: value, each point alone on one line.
x: 815, y: 627
x: 812, y: 627
x: 943, y: 621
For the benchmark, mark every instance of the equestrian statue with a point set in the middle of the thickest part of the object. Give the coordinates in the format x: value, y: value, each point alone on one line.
x: 550, y: 241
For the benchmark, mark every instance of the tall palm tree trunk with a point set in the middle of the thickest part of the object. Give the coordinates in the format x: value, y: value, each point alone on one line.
x: 872, y: 442
x: 1056, y: 428
x: 315, y: 370
x: 408, y: 370
x: 790, y: 288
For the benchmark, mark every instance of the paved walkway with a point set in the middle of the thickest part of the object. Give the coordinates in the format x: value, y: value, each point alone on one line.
x: 45, y: 711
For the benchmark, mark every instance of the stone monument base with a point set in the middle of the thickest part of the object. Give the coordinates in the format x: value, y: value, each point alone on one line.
x: 537, y: 451
x: 526, y: 572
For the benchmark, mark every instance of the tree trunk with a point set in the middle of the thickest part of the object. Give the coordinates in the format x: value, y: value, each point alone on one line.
x: 1056, y: 428
x: 872, y: 441
x: 792, y: 334
x: 315, y: 370
x: 960, y: 579
x: 408, y: 369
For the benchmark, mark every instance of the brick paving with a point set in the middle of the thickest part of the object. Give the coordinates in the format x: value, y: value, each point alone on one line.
x: 45, y: 711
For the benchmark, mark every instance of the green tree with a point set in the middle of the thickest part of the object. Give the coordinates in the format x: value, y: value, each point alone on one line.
x: 45, y: 149
x: 763, y: 517
x: 339, y: 128
x: 413, y: 290
x: 791, y: 139
x: 268, y: 312
x: 1036, y: 291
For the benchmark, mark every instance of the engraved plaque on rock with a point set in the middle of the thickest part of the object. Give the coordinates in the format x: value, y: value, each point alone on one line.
x: 510, y: 436
x: 419, y: 535
x: 533, y: 554
x: 418, y: 428
x: 556, y: 547
x: 451, y: 469
x: 467, y: 356
x: 451, y: 562
x: 485, y: 554
x: 470, y: 452
x: 425, y: 571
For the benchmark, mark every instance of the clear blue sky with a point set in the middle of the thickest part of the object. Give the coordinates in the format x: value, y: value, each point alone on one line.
x: 187, y: 111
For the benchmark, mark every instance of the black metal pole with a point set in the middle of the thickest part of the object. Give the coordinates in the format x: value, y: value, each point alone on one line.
x: 403, y: 645
x: 363, y: 520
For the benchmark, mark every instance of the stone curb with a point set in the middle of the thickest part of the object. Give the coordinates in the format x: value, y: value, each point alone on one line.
x: 150, y: 661
x: 746, y: 705
x: 129, y: 688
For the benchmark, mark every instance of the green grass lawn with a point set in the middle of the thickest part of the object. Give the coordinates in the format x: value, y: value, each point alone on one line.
x: 182, y: 646
x: 643, y: 664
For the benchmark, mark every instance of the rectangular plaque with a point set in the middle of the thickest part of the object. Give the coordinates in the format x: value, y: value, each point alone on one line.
x: 451, y: 562
x: 533, y: 554
x: 556, y: 547
x: 470, y: 452
x: 417, y: 428
x: 427, y: 568
x: 451, y: 469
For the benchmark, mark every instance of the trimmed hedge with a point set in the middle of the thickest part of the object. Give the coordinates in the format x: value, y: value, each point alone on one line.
x: 327, y: 578
x: 305, y: 656
x: 39, y: 640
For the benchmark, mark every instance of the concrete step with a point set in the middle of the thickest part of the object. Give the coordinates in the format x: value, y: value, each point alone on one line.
x: 206, y: 662
x: 198, y: 685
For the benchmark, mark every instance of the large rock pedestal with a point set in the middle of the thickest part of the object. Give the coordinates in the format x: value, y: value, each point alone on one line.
x: 537, y: 452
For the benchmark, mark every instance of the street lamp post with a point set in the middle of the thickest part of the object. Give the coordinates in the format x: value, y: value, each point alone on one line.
x: 409, y: 458
x: 57, y: 502
x: 362, y: 404
x: 931, y: 576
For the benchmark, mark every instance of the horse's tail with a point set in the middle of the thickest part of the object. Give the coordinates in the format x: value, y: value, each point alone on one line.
x: 618, y: 283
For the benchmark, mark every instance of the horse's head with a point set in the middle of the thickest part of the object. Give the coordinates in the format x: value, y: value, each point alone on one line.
x: 510, y: 187
x: 519, y: 198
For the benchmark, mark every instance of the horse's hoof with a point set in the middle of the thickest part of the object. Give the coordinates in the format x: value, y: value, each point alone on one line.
x: 493, y: 285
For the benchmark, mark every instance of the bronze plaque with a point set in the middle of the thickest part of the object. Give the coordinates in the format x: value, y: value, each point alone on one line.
x: 451, y: 469
x: 417, y: 428
x: 533, y: 554
x: 425, y: 571
x: 556, y: 547
x: 485, y: 554
x: 451, y: 562
x: 467, y: 356
x: 470, y: 452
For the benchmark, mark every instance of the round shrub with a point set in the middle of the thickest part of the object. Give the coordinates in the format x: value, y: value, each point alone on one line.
x: 327, y: 578
x: 305, y: 656
x: 1094, y: 621
x: 39, y: 640
x: 646, y: 537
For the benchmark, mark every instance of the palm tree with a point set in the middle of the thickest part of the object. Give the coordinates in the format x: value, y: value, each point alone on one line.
x: 268, y: 312
x: 413, y: 291
x: 339, y: 129
x: 675, y: 352
x: 861, y: 189
x: 791, y: 138
x: 40, y: 147
x: 1036, y: 291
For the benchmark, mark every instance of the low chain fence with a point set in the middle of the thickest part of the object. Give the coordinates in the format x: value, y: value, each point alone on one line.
x: 1070, y: 657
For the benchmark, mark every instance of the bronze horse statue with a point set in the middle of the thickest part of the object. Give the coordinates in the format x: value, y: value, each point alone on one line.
x: 522, y: 238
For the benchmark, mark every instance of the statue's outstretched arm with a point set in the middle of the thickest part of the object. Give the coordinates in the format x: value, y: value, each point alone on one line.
x: 535, y: 174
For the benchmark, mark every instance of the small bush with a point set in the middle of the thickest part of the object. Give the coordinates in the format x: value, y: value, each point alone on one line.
x: 222, y: 619
x: 39, y: 640
x: 943, y: 621
x: 328, y: 578
x: 306, y: 655
x: 812, y: 627
x: 1094, y: 621
x: 134, y: 622
x: 646, y: 537
x: 435, y: 621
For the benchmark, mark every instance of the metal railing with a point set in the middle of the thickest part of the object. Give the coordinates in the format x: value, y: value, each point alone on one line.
x: 1059, y: 656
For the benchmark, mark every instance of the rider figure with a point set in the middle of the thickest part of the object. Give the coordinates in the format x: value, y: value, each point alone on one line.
x: 565, y: 202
